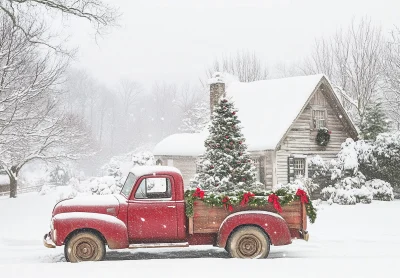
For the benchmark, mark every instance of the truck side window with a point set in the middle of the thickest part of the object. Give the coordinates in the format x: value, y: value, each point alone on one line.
x: 154, y: 188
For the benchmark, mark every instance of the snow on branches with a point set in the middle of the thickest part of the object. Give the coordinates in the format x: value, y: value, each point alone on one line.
x: 226, y: 165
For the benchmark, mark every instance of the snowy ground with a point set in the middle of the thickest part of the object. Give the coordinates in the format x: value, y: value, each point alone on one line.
x: 345, y: 241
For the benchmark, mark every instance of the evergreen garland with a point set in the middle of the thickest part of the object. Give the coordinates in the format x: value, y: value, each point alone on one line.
x: 258, y: 199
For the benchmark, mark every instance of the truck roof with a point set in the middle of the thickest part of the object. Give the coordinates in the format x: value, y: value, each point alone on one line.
x: 148, y: 170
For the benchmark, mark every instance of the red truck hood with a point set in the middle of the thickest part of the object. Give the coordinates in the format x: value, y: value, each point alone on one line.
x: 105, y: 204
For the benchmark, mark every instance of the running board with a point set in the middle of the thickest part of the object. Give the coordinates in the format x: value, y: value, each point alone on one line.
x: 158, y: 245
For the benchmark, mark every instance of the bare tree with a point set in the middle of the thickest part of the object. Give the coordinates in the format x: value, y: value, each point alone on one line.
x: 287, y: 70
x: 391, y: 77
x: 31, y: 125
x: 128, y: 93
x: 352, y: 60
x: 96, y: 11
x: 245, y: 65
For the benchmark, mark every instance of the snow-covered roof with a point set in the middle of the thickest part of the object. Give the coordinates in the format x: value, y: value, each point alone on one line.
x: 266, y: 110
x: 185, y: 144
x: 148, y: 170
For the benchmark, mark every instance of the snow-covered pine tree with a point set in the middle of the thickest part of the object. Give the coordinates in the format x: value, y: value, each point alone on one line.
x: 374, y: 122
x: 226, y: 165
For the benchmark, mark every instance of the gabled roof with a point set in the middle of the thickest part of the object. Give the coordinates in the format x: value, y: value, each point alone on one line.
x: 266, y: 110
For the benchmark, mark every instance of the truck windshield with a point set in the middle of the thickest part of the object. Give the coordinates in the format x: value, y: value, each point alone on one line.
x: 128, y: 185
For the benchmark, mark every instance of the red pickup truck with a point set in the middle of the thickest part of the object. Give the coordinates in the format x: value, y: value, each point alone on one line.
x: 150, y: 212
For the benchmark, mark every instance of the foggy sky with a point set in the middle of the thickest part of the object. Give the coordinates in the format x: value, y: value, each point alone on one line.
x: 175, y: 40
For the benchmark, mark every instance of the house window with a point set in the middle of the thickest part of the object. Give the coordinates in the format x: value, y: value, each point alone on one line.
x: 319, y: 118
x: 299, y: 167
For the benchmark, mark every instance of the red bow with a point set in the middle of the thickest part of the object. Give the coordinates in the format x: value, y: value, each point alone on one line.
x: 274, y: 199
x: 226, y: 202
x: 198, y: 193
x: 246, y: 198
x: 303, y: 195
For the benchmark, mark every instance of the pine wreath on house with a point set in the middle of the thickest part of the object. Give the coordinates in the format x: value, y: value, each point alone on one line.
x: 323, y: 136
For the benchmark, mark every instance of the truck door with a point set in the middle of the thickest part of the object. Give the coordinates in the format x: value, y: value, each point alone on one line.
x: 152, y: 212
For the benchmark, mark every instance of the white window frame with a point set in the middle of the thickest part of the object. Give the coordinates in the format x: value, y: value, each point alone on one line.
x: 315, y: 123
x: 304, y: 159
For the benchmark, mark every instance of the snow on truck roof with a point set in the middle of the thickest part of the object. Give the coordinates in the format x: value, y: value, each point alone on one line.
x: 148, y: 170
x: 266, y: 110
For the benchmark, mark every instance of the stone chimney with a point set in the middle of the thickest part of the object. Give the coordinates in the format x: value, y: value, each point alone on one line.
x: 217, y: 90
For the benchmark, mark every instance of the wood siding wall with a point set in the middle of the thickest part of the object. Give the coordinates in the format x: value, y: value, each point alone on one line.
x: 301, y: 138
x: 186, y: 164
x: 268, y: 169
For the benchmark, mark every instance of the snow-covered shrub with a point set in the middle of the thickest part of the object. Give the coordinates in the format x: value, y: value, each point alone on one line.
x: 143, y: 158
x: 103, y: 185
x: 319, y: 173
x: 347, y: 182
x: 119, y: 166
x: 66, y: 192
x: 347, y: 159
x: 46, y: 189
x: 291, y: 187
x: 382, y: 159
x: 363, y: 195
x: 380, y: 189
x: 112, y: 168
x: 59, y: 175
x: 344, y: 197
x: 328, y: 193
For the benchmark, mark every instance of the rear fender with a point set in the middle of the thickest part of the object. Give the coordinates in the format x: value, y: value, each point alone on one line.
x: 273, y: 225
x: 111, y: 228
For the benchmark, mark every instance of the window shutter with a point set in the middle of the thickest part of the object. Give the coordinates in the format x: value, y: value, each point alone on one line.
x: 290, y: 169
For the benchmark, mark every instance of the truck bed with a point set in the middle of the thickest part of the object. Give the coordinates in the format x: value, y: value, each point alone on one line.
x: 207, y: 219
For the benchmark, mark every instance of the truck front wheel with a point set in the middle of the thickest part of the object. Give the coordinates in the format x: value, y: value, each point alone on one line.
x: 84, y: 246
x: 248, y: 243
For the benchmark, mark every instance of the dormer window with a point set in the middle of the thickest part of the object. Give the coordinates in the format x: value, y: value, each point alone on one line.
x: 318, y: 118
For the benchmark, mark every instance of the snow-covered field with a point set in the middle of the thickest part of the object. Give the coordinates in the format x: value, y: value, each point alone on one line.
x: 345, y: 241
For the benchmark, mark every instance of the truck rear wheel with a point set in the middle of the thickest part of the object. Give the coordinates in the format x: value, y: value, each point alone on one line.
x: 84, y: 246
x: 248, y: 243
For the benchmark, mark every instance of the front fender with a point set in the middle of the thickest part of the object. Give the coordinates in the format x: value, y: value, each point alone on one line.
x: 112, y: 228
x: 273, y: 224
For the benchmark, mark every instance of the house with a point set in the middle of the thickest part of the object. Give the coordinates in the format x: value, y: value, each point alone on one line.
x: 280, y: 120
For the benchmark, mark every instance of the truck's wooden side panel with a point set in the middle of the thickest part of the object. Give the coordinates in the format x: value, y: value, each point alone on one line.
x: 207, y: 219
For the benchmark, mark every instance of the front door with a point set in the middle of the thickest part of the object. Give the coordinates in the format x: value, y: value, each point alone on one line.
x: 152, y: 213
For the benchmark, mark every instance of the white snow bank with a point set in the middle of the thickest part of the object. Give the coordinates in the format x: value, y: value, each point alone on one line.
x: 338, y: 247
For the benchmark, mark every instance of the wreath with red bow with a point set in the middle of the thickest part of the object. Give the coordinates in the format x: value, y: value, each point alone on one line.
x: 323, y: 136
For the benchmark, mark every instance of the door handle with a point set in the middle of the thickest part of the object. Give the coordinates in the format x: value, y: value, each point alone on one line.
x: 171, y: 207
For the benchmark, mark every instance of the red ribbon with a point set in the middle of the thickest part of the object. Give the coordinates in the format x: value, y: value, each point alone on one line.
x: 246, y: 198
x: 226, y: 202
x: 198, y: 193
x: 274, y: 199
x: 303, y: 195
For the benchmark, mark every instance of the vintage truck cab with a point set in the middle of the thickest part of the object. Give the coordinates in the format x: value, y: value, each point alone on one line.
x: 149, y: 211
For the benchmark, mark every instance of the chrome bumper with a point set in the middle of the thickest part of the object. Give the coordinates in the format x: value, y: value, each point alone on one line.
x: 48, y: 242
